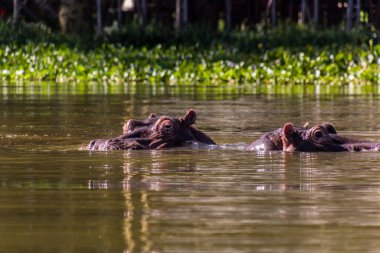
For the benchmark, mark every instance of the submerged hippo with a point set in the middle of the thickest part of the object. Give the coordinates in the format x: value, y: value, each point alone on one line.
x: 133, y: 124
x: 309, y: 139
x: 156, y: 132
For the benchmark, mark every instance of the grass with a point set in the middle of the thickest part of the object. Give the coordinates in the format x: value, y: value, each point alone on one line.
x: 156, y: 55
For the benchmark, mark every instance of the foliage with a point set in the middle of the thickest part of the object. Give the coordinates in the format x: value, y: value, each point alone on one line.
x: 283, y: 55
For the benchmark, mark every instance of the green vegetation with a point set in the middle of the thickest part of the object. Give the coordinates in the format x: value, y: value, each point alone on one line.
x: 282, y: 55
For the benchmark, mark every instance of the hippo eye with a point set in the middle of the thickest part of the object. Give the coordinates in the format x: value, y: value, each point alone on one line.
x: 168, y: 126
x: 318, y: 134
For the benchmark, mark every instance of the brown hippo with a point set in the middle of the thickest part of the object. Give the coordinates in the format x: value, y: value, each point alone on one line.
x: 133, y: 124
x: 156, y: 132
x: 310, y: 139
x: 273, y: 140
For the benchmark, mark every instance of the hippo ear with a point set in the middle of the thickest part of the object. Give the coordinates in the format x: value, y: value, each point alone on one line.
x: 288, y: 137
x: 330, y: 128
x: 189, y: 118
x: 152, y: 115
x: 127, y: 127
x: 288, y: 131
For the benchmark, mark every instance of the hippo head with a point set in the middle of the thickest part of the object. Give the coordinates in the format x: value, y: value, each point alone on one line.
x: 133, y: 124
x: 156, y: 132
x: 274, y: 140
x: 321, y: 138
x: 316, y: 138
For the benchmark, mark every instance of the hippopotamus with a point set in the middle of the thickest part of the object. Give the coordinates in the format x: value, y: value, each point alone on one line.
x: 322, y: 137
x: 132, y: 124
x: 155, y: 132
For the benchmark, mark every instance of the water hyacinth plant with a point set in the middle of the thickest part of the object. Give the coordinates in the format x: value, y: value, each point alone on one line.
x: 253, y: 57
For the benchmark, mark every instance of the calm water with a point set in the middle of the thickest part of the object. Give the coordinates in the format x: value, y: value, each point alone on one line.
x: 55, y: 198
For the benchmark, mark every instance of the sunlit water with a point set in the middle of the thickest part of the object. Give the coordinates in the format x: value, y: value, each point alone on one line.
x: 56, y: 198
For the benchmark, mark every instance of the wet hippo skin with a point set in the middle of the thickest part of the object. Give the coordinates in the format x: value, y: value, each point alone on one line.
x: 322, y: 137
x: 155, y: 132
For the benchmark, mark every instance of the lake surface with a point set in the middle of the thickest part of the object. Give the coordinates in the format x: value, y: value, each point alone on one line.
x: 56, y: 198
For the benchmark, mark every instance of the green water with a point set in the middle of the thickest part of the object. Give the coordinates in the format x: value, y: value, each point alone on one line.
x: 55, y: 198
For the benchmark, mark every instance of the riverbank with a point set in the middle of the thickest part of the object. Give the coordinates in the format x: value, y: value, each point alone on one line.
x: 284, y: 55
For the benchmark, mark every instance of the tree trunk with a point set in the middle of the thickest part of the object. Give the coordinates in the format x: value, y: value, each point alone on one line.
x: 377, y: 15
x: 358, y: 8
x: 178, y: 16
x: 181, y: 14
x: 228, y: 15
x: 273, y: 12
x: 303, y: 13
x: 16, y: 11
x: 99, y: 17
x: 119, y: 3
x: 349, y: 14
x: 185, y: 15
x: 75, y: 17
x: 315, y: 12
x: 141, y: 7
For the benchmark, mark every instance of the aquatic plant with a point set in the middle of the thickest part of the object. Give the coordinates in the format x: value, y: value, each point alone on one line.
x: 237, y: 58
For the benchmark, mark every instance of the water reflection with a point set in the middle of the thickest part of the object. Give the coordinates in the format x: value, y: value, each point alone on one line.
x: 278, y: 192
x: 142, y: 176
x: 137, y: 207
x: 198, y: 91
x: 184, y: 200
